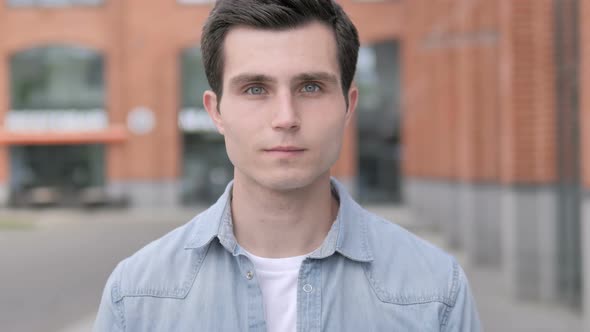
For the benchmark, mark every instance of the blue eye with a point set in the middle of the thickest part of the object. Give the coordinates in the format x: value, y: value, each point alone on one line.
x: 255, y: 90
x: 311, y: 88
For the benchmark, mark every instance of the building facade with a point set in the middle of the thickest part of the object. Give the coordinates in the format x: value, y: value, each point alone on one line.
x: 101, y: 102
x: 496, y: 136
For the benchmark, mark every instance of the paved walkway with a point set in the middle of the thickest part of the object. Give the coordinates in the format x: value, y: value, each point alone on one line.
x: 58, y: 262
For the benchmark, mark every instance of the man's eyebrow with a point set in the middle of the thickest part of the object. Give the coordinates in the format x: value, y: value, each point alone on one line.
x: 316, y: 76
x: 250, y: 78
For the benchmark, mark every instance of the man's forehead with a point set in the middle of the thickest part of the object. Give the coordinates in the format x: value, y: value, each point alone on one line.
x: 309, y: 37
x: 281, y: 54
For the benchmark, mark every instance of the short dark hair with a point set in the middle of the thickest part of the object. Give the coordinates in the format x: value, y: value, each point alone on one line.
x: 277, y: 15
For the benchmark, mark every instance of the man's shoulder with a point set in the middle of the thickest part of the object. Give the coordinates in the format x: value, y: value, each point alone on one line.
x: 407, y: 269
x: 162, y: 268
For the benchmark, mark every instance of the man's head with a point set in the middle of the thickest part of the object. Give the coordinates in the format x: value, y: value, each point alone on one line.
x: 276, y: 15
x: 285, y: 68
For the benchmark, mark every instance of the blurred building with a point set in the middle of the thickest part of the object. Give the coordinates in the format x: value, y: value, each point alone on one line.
x: 101, y: 104
x: 496, y: 136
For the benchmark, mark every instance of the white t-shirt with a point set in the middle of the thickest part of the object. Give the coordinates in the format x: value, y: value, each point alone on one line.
x: 277, y: 278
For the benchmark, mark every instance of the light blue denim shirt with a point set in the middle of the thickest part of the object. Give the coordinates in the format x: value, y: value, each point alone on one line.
x: 368, y: 275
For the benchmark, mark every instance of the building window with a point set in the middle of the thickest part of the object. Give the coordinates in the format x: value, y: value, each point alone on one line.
x: 53, y: 90
x: 193, y: 118
x: 56, y: 89
x: 39, y: 178
x: 57, y: 77
x: 53, y: 3
x: 379, y: 121
x: 206, y: 167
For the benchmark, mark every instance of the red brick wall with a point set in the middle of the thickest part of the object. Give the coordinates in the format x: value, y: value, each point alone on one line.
x: 3, y: 98
x: 529, y: 112
x: 479, y: 91
x: 450, y: 88
x: 376, y: 21
x: 585, y: 90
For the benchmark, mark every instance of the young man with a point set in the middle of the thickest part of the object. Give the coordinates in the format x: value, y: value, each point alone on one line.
x: 285, y: 248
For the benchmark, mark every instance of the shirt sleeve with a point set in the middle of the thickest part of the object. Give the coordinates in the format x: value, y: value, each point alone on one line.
x: 463, y: 315
x: 110, y: 316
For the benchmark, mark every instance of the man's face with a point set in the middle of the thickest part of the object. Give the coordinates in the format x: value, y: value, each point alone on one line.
x: 282, y: 113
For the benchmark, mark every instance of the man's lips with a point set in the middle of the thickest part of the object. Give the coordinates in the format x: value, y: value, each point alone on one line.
x: 285, y: 149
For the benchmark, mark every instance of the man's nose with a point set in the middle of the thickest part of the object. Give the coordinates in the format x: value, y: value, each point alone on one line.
x: 285, y: 115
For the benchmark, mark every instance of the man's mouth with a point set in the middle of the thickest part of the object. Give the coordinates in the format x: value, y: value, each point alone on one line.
x: 285, y: 151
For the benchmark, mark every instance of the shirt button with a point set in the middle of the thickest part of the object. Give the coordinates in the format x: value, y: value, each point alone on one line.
x: 307, y: 288
x: 249, y: 275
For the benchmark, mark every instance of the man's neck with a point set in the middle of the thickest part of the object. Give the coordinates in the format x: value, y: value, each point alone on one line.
x: 275, y: 224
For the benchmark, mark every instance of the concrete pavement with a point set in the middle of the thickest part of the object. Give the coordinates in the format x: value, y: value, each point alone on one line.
x: 53, y: 272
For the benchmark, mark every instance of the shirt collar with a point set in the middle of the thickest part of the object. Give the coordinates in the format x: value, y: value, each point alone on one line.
x: 213, y: 222
x: 347, y: 236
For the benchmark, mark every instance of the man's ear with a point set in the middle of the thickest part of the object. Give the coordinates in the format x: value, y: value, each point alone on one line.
x: 353, y: 95
x: 211, y: 104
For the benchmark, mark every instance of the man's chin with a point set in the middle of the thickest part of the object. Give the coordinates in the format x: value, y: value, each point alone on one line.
x: 290, y: 182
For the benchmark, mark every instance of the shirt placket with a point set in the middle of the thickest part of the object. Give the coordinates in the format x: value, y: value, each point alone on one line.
x: 309, y: 296
x: 256, y: 321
